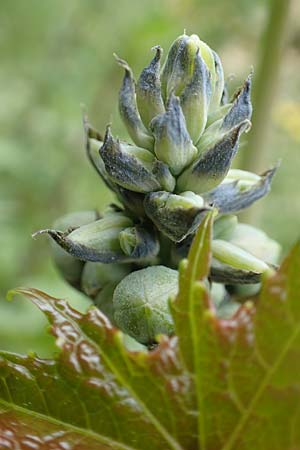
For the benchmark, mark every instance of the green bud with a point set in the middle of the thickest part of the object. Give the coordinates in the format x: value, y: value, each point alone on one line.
x: 134, y: 168
x: 224, y: 226
x: 213, y: 165
x: 256, y: 242
x: 141, y: 303
x: 176, y: 216
x: 129, y: 111
x: 70, y: 267
x: 235, y: 256
x: 195, y: 99
x: 139, y: 242
x: 173, y: 144
x: 128, y: 240
x: 96, y: 275
x: 148, y: 90
x: 178, y: 68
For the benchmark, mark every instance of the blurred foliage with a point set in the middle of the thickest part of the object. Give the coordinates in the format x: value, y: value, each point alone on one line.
x: 55, y: 55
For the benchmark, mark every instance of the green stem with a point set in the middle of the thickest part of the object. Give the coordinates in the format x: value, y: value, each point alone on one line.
x: 255, y: 155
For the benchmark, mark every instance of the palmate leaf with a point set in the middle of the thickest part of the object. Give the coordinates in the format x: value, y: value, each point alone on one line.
x: 217, y: 384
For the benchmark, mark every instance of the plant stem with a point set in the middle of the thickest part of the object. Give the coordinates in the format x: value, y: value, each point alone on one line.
x: 265, y: 82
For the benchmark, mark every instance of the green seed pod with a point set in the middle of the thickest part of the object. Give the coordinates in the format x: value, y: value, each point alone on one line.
x: 195, y: 99
x: 95, y: 276
x: 134, y: 168
x: 70, y: 267
x: 173, y: 144
x: 176, y: 216
x: 224, y: 226
x: 212, y: 166
x: 129, y: 111
x: 235, y: 256
x: 141, y: 303
x: 148, y: 90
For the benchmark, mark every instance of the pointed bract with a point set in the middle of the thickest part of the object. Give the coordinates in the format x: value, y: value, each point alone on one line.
x: 238, y: 194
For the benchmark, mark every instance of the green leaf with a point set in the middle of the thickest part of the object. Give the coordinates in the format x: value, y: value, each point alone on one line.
x: 229, y: 384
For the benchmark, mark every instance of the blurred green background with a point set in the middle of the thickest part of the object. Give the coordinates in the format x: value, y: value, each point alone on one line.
x: 57, y: 54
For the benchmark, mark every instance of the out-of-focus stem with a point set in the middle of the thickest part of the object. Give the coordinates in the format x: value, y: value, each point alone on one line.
x: 264, y: 87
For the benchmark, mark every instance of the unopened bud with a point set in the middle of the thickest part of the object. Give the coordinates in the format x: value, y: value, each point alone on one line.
x: 213, y: 164
x: 141, y: 303
x: 195, y: 99
x: 129, y: 110
x: 240, y: 189
x: 224, y: 226
x: 139, y: 243
x: 69, y: 266
x: 257, y: 242
x: 176, y: 216
x: 173, y: 144
x: 234, y: 256
x: 96, y: 276
x: 148, y: 90
x: 97, y: 241
x: 131, y: 167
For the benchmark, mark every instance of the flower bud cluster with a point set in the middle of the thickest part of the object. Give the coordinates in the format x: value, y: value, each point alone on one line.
x: 185, y: 134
